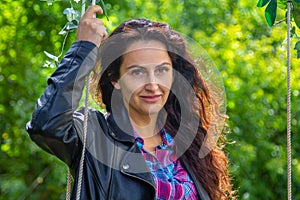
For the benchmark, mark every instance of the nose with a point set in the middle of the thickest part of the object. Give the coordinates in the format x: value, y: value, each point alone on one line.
x: 151, y: 84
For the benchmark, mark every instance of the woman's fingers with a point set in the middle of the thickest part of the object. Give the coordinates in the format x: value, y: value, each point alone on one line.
x: 103, y: 32
x: 92, y: 11
x: 91, y: 28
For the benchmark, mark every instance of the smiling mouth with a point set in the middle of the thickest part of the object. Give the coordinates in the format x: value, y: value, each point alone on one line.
x: 151, y: 99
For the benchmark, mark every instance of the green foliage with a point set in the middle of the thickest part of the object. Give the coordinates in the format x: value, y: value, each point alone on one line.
x: 73, y: 17
x: 271, y: 12
x: 250, y: 56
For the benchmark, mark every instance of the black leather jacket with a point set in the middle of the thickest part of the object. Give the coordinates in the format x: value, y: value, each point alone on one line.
x: 114, y: 167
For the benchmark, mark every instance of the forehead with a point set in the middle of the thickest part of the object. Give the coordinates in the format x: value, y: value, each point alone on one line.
x: 145, y: 53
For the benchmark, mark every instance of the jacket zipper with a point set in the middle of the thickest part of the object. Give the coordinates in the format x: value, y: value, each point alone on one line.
x: 124, y: 172
x: 140, y: 179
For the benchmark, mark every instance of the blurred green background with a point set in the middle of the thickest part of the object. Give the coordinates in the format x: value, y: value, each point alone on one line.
x: 250, y: 56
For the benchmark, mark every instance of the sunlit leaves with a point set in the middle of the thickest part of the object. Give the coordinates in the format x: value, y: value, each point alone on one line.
x: 282, y: 4
x: 271, y: 11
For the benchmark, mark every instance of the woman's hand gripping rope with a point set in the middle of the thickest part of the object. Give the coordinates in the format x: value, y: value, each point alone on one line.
x: 91, y: 28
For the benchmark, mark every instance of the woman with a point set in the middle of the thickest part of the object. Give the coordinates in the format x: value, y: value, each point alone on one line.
x: 148, y: 144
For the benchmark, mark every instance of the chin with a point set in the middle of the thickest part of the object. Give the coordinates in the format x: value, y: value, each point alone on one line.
x: 154, y: 109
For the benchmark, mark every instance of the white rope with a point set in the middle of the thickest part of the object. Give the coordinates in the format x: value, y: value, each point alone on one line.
x: 289, y: 153
x: 84, y: 138
x: 69, y: 183
x: 86, y: 103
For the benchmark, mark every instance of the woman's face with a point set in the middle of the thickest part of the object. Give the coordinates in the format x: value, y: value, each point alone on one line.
x: 146, y: 76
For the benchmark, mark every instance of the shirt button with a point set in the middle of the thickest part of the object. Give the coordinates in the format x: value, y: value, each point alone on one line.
x: 125, y: 166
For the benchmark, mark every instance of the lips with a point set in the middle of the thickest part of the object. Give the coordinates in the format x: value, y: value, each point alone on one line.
x: 151, y: 98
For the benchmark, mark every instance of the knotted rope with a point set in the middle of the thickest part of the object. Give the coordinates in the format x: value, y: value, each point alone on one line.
x: 86, y: 103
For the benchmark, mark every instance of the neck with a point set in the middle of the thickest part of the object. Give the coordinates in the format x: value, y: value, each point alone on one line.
x: 146, y: 127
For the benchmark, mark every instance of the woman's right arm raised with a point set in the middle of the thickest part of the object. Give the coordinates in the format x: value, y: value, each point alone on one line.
x: 54, y: 126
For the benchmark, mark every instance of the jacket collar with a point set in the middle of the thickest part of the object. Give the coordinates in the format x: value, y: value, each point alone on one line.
x: 121, y: 129
x: 119, y: 123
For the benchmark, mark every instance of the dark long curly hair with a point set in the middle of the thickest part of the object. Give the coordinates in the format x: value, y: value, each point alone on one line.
x: 210, y: 170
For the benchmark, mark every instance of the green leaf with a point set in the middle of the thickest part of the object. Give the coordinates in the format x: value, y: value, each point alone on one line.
x: 293, y: 31
x: 48, y: 64
x: 71, y: 26
x: 282, y: 4
x: 104, y: 9
x: 298, y: 54
x: 63, y: 32
x: 270, y: 12
x: 296, y: 14
x: 68, y: 27
x: 297, y: 46
x: 52, y: 57
x: 262, y: 3
x: 297, y: 1
x: 72, y: 14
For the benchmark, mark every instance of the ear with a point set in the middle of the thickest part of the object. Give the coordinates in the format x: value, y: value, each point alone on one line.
x: 116, y: 84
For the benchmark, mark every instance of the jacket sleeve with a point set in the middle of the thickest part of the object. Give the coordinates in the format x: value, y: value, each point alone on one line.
x: 54, y: 125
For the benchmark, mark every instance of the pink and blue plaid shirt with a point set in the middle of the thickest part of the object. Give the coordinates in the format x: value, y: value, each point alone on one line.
x: 171, y: 179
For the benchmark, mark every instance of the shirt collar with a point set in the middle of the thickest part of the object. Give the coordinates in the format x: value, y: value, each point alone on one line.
x: 167, y: 139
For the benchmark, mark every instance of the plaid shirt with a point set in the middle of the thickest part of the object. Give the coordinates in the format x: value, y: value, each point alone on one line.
x: 171, y: 179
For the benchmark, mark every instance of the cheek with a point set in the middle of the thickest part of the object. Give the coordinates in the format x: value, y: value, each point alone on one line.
x: 166, y: 82
x: 129, y: 88
x: 166, y: 91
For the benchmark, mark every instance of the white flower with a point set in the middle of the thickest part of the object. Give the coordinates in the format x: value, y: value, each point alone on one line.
x: 77, y: 1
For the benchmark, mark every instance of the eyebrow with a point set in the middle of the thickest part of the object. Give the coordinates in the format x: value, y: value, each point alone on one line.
x: 140, y: 66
